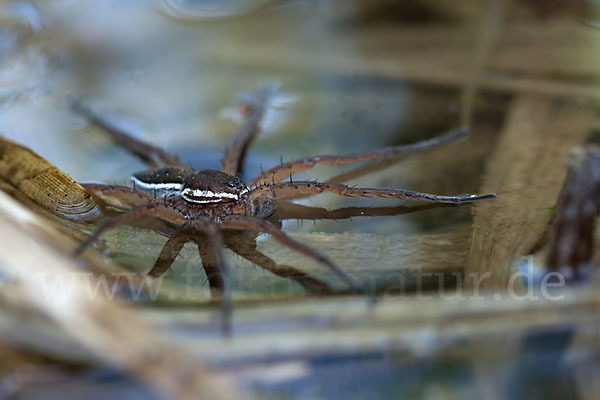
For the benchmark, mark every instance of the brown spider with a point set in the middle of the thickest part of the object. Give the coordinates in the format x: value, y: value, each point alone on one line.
x: 221, y: 207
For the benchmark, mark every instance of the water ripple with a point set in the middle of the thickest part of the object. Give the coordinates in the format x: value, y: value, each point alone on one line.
x: 194, y: 10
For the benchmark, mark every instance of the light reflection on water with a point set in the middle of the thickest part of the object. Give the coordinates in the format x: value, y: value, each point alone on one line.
x: 211, y: 10
x: 169, y: 70
x: 173, y: 83
x: 168, y: 81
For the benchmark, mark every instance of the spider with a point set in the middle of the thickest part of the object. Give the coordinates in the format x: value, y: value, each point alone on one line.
x: 216, y: 208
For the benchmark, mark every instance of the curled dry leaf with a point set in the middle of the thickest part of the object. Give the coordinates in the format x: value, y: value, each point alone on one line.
x: 42, y: 182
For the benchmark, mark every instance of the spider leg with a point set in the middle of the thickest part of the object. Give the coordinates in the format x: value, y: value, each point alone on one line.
x: 153, y: 210
x: 291, y: 189
x: 152, y: 155
x: 287, y: 210
x: 242, y: 222
x: 216, y: 268
x: 169, y: 253
x: 232, y: 162
x: 246, y: 248
x: 363, y: 170
x: 211, y: 269
x: 119, y: 197
x: 285, y: 170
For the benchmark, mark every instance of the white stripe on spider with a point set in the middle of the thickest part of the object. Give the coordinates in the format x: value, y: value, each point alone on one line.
x: 148, y: 186
x: 206, y: 195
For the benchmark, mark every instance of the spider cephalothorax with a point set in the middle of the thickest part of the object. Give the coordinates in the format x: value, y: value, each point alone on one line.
x: 216, y: 208
x: 202, y: 193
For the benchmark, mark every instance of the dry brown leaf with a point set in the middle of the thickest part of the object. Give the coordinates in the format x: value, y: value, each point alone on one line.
x: 42, y: 182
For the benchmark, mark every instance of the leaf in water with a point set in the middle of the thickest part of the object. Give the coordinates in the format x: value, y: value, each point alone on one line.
x: 45, y: 184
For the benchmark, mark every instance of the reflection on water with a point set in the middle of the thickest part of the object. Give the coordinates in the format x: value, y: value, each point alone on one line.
x: 169, y: 82
x: 215, y: 10
x: 355, y: 75
x: 175, y: 82
x: 351, y: 79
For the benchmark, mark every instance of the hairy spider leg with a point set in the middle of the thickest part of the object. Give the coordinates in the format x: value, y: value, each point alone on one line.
x: 151, y: 155
x: 246, y: 248
x: 211, y: 269
x: 169, y: 253
x: 289, y: 189
x: 216, y: 268
x: 119, y: 197
x: 155, y: 210
x: 283, y: 171
x: 242, y: 222
x: 234, y: 155
x: 210, y: 263
x: 363, y: 170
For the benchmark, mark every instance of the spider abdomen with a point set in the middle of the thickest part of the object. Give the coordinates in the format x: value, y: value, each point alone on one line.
x: 163, y: 183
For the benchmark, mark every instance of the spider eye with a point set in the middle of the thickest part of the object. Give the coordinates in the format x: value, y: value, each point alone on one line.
x: 231, y: 184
